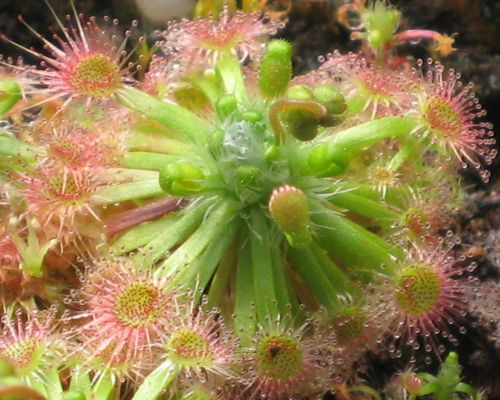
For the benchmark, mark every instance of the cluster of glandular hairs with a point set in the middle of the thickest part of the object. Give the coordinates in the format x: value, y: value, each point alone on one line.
x: 31, y: 345
x: 232, y: 232
x: 194, y: 43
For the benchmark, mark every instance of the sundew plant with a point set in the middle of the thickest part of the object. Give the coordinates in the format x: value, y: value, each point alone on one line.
x: 221, y: 229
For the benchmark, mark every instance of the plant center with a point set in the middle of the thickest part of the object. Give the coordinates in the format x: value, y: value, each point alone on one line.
x: 442, y: 118
x: 96, y: 75
x: 66, y: 150
x: 375, y: 87
x: 420, y: 221
x: 241, y: 157
x: 138, y: 305
x: 279, y: 357
x: 190, y: 347
x: 418, y: 290
x: 24, y: 355
x: 223, y: 40
x: 65, y: 188
x: 383, y: 177
x: 349, y: 326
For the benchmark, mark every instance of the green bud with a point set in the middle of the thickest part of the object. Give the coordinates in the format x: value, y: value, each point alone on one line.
x: 226, y: 106
x: 301, y: 124
x: 272, y: 153
x: 31, y: 251
x: 181, y: 179
x: 252, y: 116
x: 290, y: 211
x: 300, y: 92
x: 349, y: 324
x: 334, y: 102
x: 375, y: 39
x: 215, y: 140
x: 331, y: 98
x: 10, y: 94
x: 276, y: 69
x: 452, y: 358
x: 248, y: 175
x: 381, y: 21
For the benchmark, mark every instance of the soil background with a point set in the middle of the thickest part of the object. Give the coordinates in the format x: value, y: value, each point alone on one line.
x: 313, y: 30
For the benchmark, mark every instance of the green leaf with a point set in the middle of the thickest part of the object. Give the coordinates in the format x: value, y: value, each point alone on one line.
x: 10, y: 146
x: 142, y: 234
x: 52, y: 383
x: 170, y: 115
x: 365, y: 207
x: 226, y: 257
x: 31, y: 252
x: 469, y: 390
x: 129, y: 191
x: 215, y: 224
x: 190, y: 219
x: 244, y: 301
x: 229, y: 70
x: 157, y: 381
x: 262, y: 267
x: 104, y: 387
x: 153, y: 142
x: 305, y: 263
x: 284, y: 292
x: 146, y: 160
x: 372, y: 132
x: 352, y: 244
x: 203, y: 267
x: 80, y: 381
x: 338, y: 279
x: 10, y: 94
